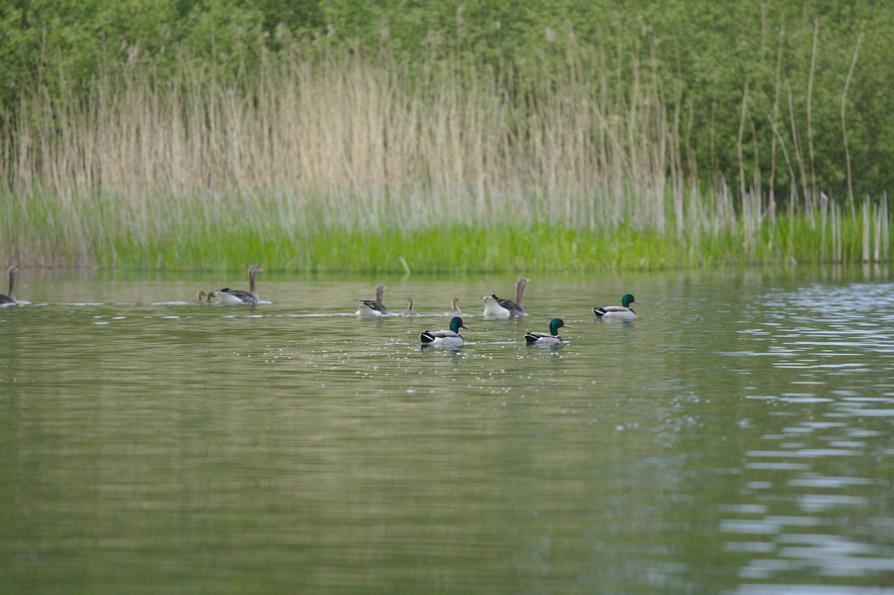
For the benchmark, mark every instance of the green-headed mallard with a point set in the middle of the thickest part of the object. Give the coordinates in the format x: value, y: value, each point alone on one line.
x: 495, y: 307
x: 551, y: 338
x: 450, y: 338
x: 622, y: 312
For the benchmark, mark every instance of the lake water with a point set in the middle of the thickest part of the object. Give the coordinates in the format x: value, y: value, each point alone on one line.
x: 738, y: 437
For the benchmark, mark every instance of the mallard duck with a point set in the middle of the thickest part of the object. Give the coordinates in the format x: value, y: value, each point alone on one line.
x: 495, y: 307
x: 373, y: 308
x: 410, y: 311
x: 454, y: 310
x: 10, y: 298
x: 237, y: 296
x: 551, y: 338
x: 450, y: 338
x: 622, y: 312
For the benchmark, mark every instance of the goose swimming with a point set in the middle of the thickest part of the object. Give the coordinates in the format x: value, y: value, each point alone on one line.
x: 410, y: 311
x: 454, y: 310
x: 10, y: 298
x: 373, y: 308
x: 495, y: 307
x: 237, y: 296
x: 206, y: 298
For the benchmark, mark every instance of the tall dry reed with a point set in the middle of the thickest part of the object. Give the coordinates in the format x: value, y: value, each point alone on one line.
x: 364, y: 140
x: 349, y: 142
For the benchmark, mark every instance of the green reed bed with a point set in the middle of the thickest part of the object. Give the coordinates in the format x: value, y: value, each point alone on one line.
x: 578, y: 156
x: 186, y: 233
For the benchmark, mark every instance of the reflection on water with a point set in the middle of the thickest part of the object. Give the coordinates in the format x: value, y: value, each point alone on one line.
x: 831, y: 347
x: 737, y: 437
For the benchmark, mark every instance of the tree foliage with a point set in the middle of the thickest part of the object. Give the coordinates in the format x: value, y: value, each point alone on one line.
x: 792, y: 58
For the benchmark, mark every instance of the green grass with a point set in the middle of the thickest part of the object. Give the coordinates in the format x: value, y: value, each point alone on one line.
x: 184, y: 233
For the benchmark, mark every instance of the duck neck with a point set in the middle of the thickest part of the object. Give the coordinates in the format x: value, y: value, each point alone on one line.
x: 251, y: 284
x: 12, y: 284
x: 519, y: 292
x: 380, y: 293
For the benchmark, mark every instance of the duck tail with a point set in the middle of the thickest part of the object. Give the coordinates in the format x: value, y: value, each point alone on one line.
x: 599, y: 312
x: 530, y: 338
x: 426, y: 337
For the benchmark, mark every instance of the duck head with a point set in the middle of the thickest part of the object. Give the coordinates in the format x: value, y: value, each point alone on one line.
x: 554, y: 325
x: 456, y: 323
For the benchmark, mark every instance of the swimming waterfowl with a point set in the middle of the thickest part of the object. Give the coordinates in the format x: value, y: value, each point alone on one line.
x: 454, y: 310
x: 10, y: 298
x: 622, y: 312
x: 551, y: 338
x: 410, y: 311
x: 373, y: 308
x: 237, y: 296
x: 450, y: 338
x: 206, y: 298
x: 495, y: 307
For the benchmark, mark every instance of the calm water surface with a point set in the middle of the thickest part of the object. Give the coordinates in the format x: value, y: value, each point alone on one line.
x: 738, y: 437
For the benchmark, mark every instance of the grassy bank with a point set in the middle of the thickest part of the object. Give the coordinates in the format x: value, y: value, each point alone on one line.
x: 537, y: 145
x: 186, y: 234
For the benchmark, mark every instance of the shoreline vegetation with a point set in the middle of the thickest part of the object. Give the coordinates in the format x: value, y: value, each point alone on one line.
x: 344, y: 147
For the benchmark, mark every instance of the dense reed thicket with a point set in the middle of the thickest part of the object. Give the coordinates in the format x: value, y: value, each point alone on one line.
x: 450, y: 143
